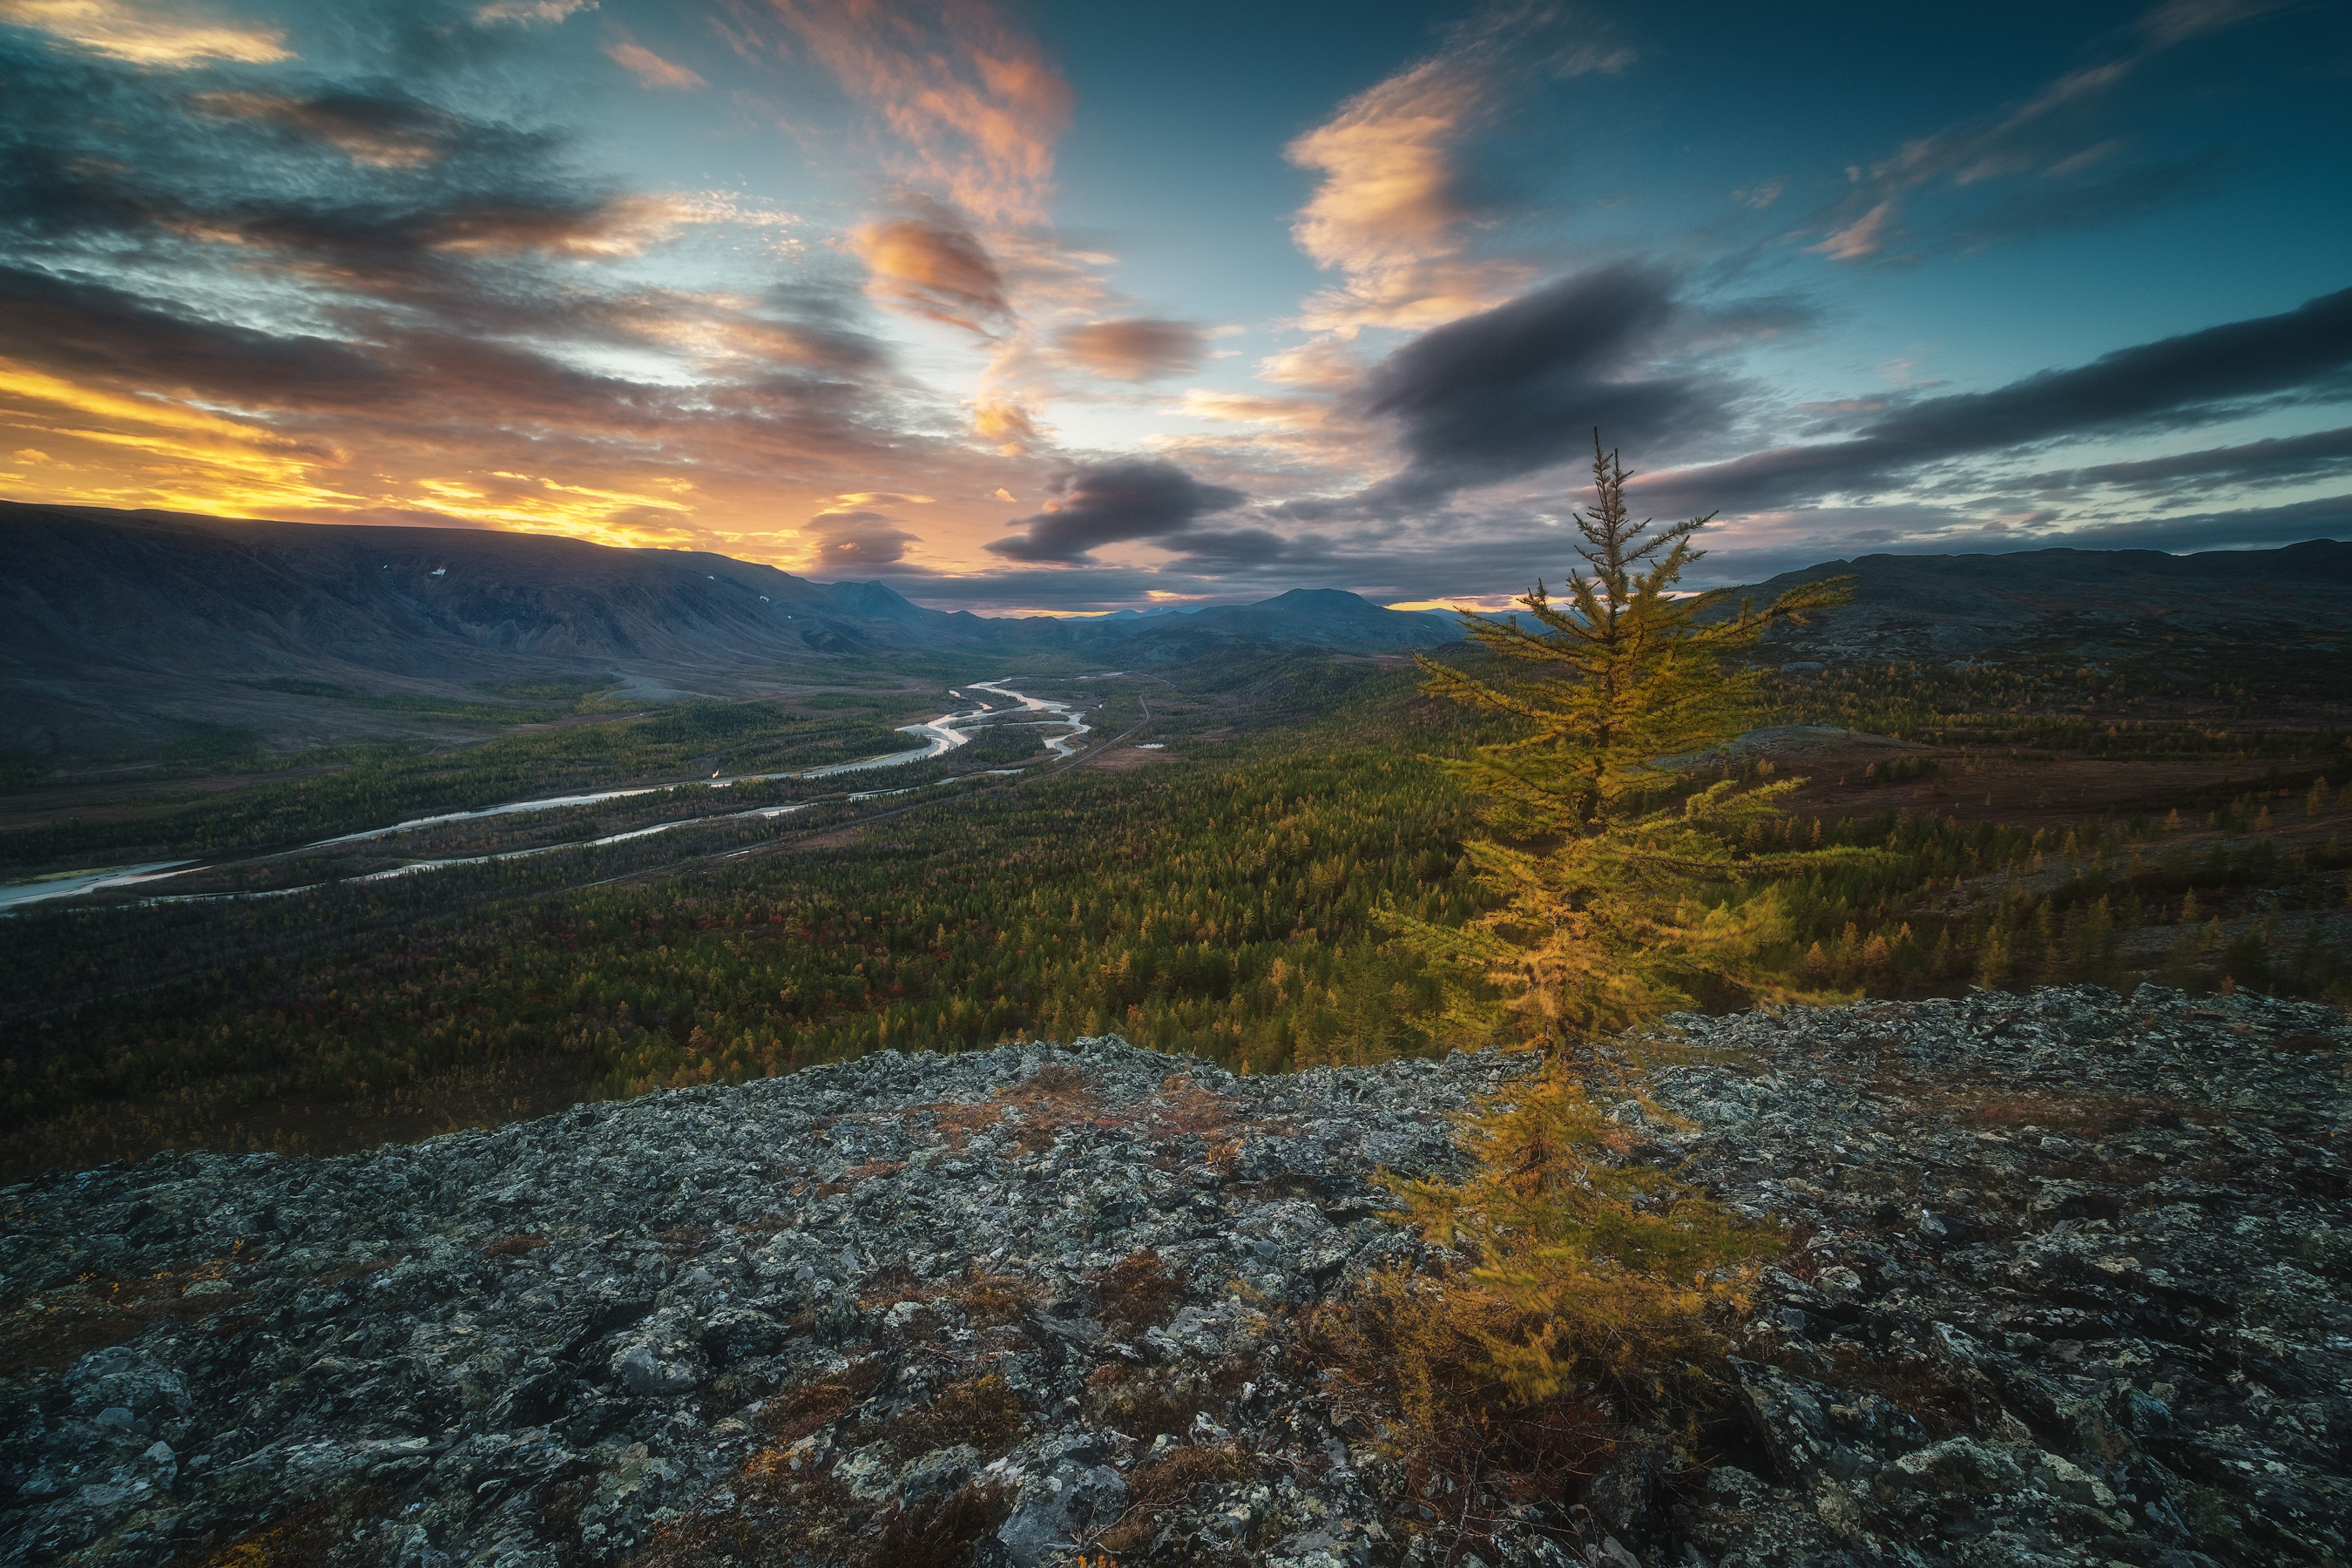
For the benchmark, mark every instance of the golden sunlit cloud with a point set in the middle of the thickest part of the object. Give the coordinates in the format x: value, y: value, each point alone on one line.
x: 627, y: 225
x: 1005, y: 423
x: 1489, y: 603
x: 651, y: 70
x: 147, y: 35
x: 934, y: 267
x: 523, y: 13
x: 1255, y: 408
x: 526, y: 503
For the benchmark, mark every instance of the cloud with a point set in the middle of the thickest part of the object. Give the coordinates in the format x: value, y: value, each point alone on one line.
x: 2176, y: 21
x: 1393, y: 211
x: 2280, y: 460
x: 1521, y: 387
x: 970, y: 98
x: 1138, y: 349
x: 2033, y: 137
x: 347, y: 302
x: 651, y: 70
x: 523, y: 12
x: 146, y: 35
x: 931, y: 266
x: 2196, y: 378
x: 385, y: 132
x: 850, y: 539
x: 1112, y: 503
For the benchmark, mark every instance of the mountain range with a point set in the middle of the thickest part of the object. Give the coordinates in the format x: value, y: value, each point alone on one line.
x: 117, y: 627
x: 114, y: 619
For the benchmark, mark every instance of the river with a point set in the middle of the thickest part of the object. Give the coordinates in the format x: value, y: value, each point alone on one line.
x: 940, y: 736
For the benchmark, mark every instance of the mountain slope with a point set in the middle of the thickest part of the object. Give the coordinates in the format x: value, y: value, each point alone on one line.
x: 2093, y: 603
x: 1008, y: 1303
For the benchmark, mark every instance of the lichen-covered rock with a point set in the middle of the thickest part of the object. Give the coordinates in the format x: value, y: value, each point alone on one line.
x: 2066, y: 1285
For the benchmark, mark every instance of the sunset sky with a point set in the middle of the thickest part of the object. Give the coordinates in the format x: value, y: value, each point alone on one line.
x: 1076, y: 306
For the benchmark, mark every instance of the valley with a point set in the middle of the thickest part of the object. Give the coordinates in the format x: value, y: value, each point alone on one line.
x: 570, y: 890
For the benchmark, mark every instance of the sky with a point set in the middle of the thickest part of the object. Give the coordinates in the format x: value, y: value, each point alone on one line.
x: 1067, y: 308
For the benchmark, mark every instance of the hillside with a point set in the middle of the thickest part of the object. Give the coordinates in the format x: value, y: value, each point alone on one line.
x: 114, y: 626
x: 2064, y: 1284
x: 2091, y: 604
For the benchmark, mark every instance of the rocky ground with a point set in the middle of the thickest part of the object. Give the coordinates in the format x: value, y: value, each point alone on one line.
x: 2066, y: 1284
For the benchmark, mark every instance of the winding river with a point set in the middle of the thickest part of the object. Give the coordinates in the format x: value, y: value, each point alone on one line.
x: 938, y: 737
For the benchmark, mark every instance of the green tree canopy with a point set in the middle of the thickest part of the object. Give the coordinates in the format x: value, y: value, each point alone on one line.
x: 1625, y: 883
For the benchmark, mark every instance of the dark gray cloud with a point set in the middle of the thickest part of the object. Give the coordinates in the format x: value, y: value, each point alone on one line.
x: 851, y: 539
x: 1521, y: 387
x: 2196, y: 378
x: 2284, y: 459
x: 1110, y: 503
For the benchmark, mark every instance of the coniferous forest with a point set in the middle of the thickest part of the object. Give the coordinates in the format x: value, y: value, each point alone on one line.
x: 1219, y: 873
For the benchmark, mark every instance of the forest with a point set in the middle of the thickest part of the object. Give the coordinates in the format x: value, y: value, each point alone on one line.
x: 1221, y: 896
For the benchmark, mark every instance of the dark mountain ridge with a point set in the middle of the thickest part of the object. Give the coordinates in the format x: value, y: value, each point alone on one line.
x: 2097, y: 603
x: 113, y: 618
x: 124, y: 623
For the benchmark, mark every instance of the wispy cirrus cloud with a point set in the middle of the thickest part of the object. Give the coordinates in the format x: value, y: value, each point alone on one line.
x: 971, y: 112
x: 2051, y: 136
x: 849, y: 539
x: 528, y: 12
x: 930, y: 263
x: 651, y: 70
x: 396, y: 311
x: 375, y: 129
x: 974, y: 106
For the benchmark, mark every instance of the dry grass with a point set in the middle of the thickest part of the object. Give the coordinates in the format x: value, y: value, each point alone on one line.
x: 1138, y: 1292
x: 799, y: 1411
x: 306, y: 1538
x: 772, y: 1514
x: 990, y: 1299
x: 941, y: 1534
x: 982, y: 1411
x: 514, y: 1246
x: 1146, y: 1403
x: 1155, y: 1486
x: 58, y: 1328
x: 1182, y: 1107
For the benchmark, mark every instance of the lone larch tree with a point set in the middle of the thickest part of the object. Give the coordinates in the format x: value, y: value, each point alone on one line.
x: 1625, y: 884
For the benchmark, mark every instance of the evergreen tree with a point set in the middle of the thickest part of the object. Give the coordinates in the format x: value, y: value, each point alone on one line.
x: 1625, y: 883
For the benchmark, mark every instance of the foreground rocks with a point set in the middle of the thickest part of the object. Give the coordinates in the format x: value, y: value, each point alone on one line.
x: 2066, y: 1285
